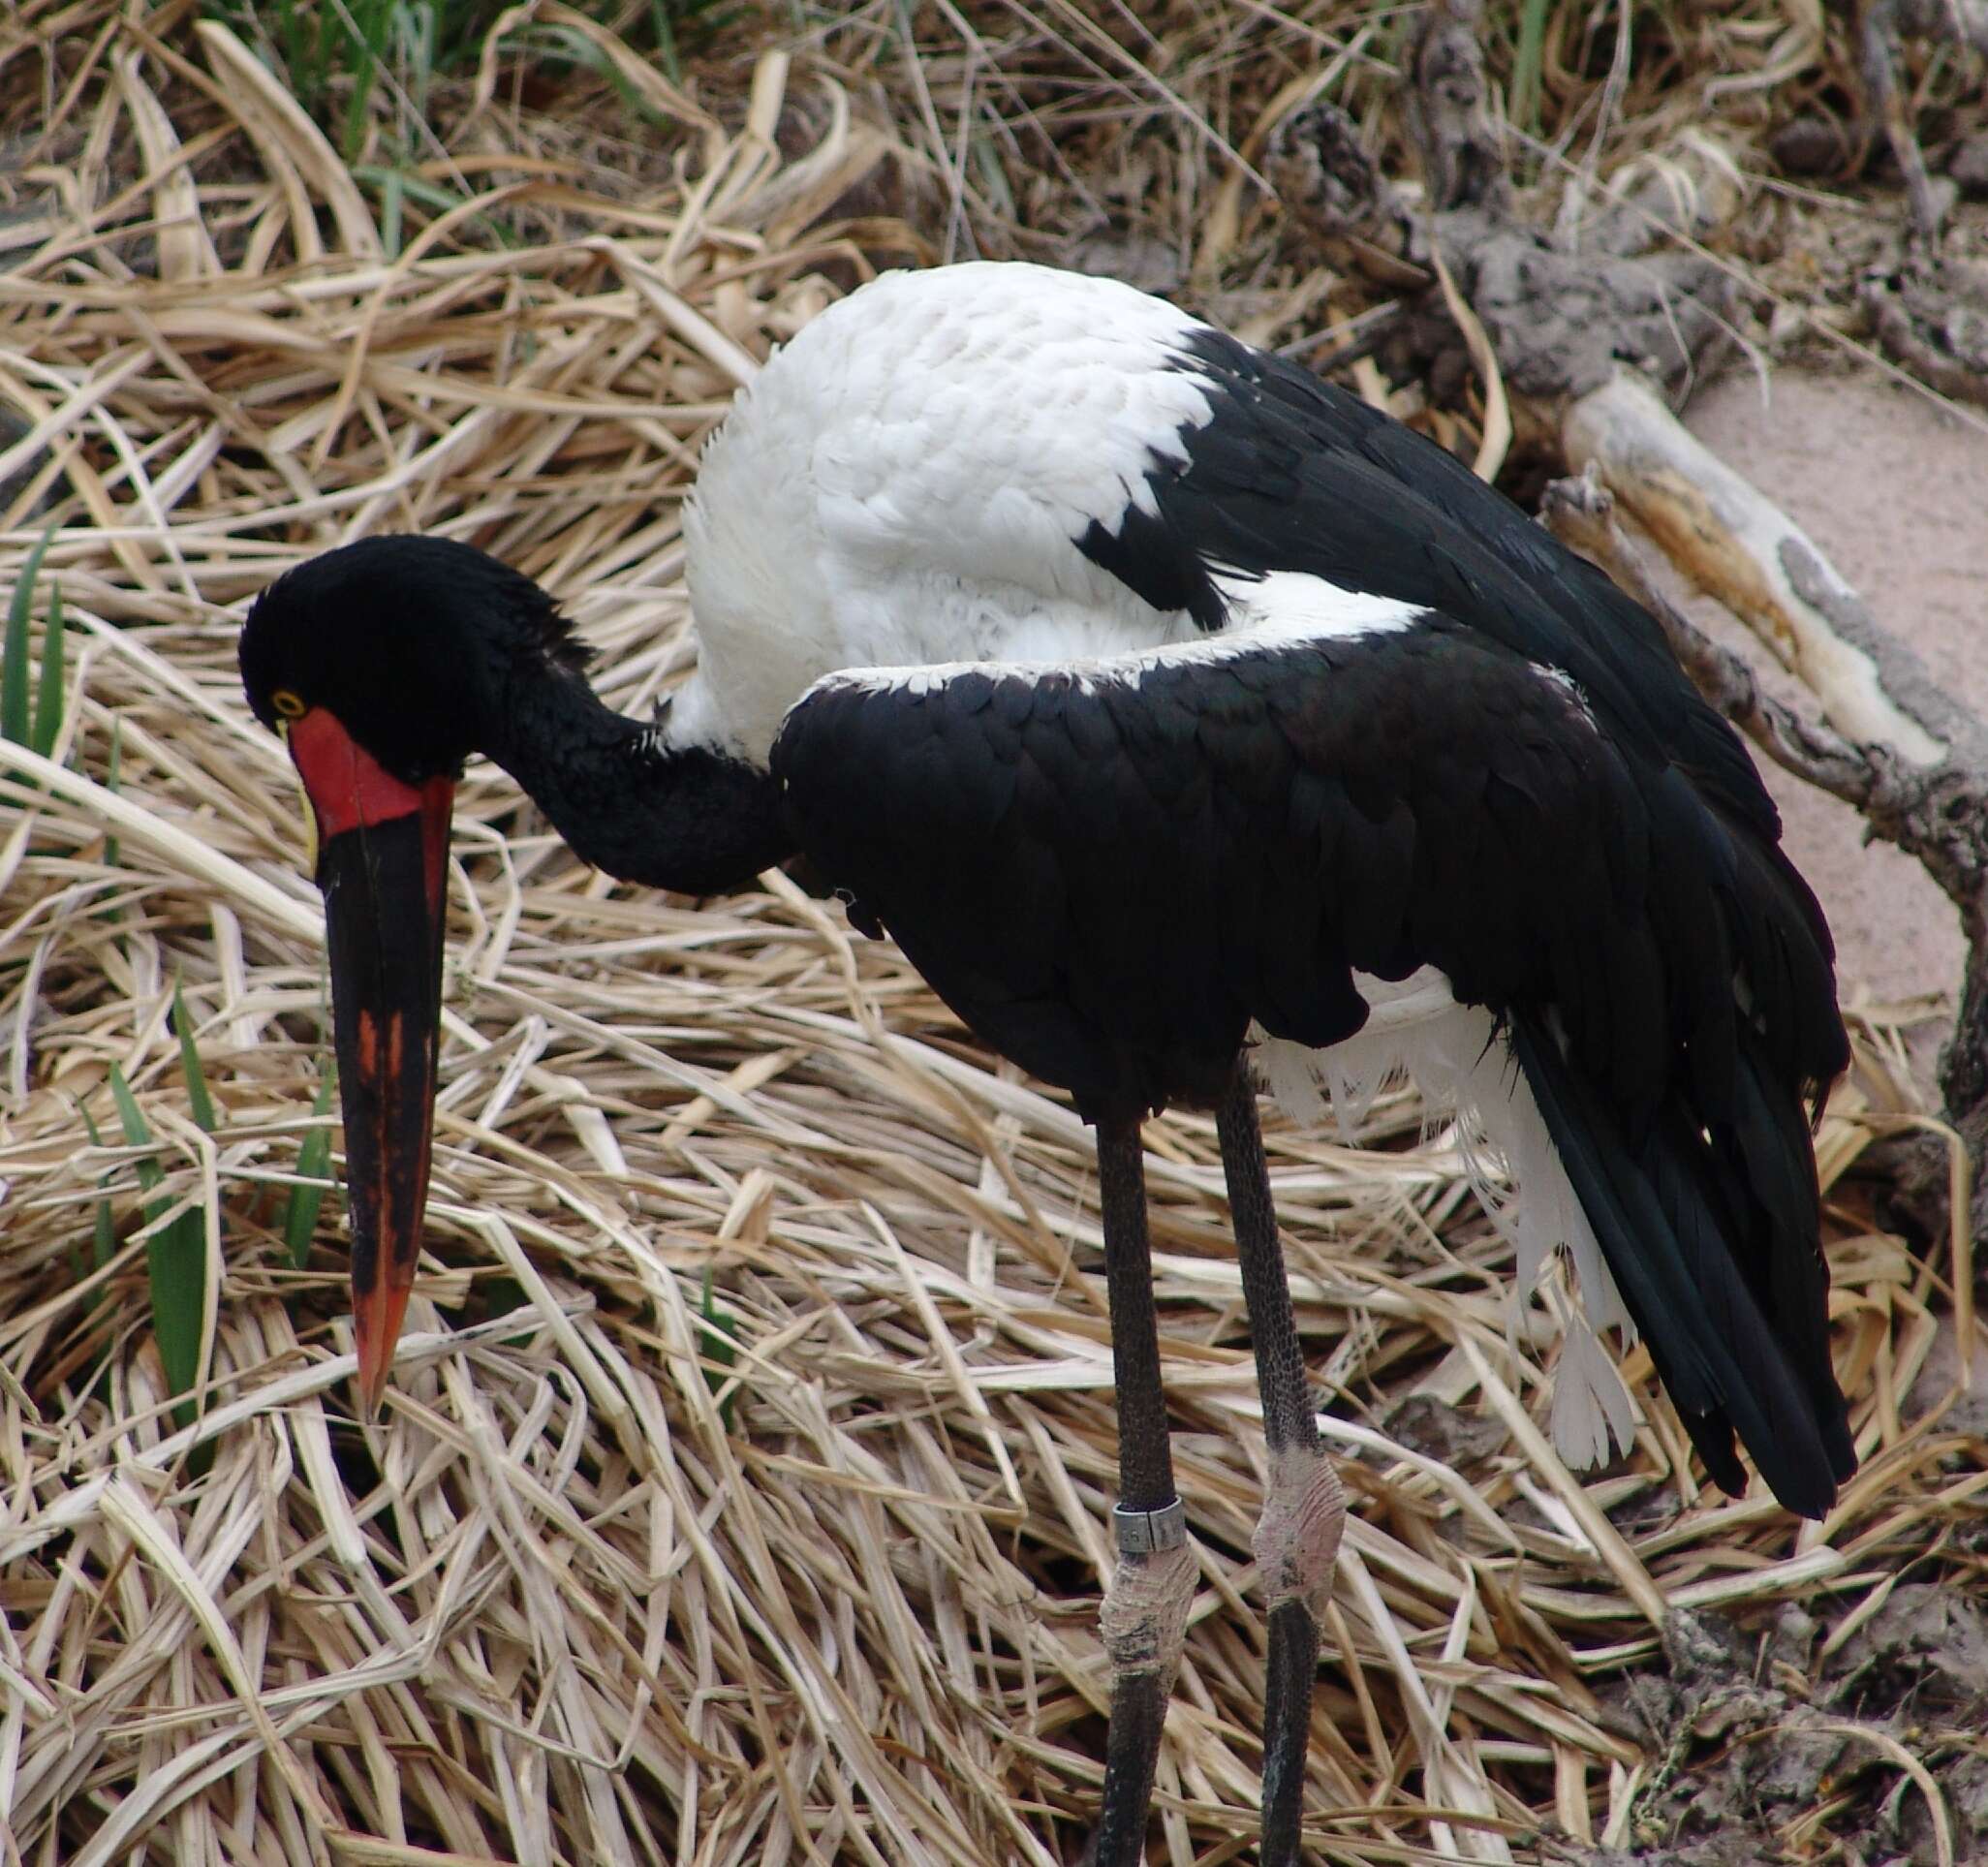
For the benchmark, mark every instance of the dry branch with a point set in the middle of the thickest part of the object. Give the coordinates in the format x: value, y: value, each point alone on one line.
x: 1724, y: 537
x: 1933, y: 316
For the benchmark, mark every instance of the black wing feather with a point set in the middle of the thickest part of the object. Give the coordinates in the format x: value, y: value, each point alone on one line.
x: 1292, y: 472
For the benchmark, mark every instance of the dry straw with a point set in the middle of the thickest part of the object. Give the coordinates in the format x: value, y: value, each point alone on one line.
x: 589, y: 1591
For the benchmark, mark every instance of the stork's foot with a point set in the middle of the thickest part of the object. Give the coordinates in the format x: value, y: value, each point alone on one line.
x: 1144, y: 1622
x: 1296, y: 1544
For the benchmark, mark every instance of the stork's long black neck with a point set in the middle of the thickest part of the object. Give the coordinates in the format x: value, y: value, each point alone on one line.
x: 687, y: 818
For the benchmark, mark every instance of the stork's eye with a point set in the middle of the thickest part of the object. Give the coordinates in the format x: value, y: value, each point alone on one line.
x: 287, y: 703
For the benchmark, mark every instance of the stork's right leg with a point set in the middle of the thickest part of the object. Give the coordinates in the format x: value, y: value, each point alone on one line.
x: 1297, y: 1540
x: 1145, y: 1609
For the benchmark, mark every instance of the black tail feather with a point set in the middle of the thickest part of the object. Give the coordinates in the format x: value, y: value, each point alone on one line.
x: 1711, y: 1235
x: 1789, y: 1277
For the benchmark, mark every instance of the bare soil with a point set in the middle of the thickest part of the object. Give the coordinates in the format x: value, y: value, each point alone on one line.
x: 1894, y: 488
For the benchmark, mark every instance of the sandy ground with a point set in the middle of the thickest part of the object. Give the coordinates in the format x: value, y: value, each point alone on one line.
x: 1895, y: 493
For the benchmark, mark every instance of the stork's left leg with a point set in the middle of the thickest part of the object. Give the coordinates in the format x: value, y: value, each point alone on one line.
x: 1297, y: 1540
x: 1146, y: 1606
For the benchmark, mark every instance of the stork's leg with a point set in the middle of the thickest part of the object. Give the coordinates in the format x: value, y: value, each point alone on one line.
x: 1297, y: 1540
x: 1145, y: 1615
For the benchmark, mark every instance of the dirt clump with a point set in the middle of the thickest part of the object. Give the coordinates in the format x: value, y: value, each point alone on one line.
x: 1756, y: 1735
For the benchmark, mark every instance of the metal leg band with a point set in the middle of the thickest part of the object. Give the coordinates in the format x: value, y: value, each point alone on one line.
x: 1146, y: 1533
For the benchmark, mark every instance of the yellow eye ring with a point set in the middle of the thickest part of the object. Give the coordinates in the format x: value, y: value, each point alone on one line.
x: 287, y: 703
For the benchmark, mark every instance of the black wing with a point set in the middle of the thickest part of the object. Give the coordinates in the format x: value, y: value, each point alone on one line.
x: 1109, y: 871
x: 1292, y: 474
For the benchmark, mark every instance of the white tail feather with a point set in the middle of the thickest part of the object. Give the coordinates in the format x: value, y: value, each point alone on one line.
x: 1456, y: 1058
x: 1590, y: 1403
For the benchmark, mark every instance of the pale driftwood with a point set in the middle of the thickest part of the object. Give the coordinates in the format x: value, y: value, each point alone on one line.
x: 1581, y: 513
x: 1734, y: 543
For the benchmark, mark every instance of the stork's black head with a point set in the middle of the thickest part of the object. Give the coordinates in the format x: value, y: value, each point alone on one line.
x: 384, y: 664
x: 409, y: 642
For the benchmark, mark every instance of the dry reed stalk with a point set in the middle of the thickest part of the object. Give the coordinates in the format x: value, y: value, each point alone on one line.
x: 583, y: 1592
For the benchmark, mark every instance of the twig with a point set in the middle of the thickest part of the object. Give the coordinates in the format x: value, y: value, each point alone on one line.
x: 1580, y: 512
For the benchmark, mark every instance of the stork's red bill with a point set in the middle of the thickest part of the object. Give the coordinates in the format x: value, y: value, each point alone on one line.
x: 382, y: 849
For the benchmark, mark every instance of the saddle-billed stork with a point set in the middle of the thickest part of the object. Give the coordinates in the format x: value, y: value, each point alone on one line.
x: 1186, y: 722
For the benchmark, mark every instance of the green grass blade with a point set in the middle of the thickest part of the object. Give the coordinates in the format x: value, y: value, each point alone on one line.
x: 13, y: 653
x: 663, y: 29
x: 721, y: 1347
x: 314, y: 1167
x: 48, y: 694
x: 137, y: 1134
x: 175, y: 1256
x: 102, y: 1237
x: 392, y: 211
x: 1526, y: 63
x: 197, y: 1098
x: 415, y: 188
x: 365, y: 27
x: 178, y: 1261
x: 13, y: 670
x: 398, y: 186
